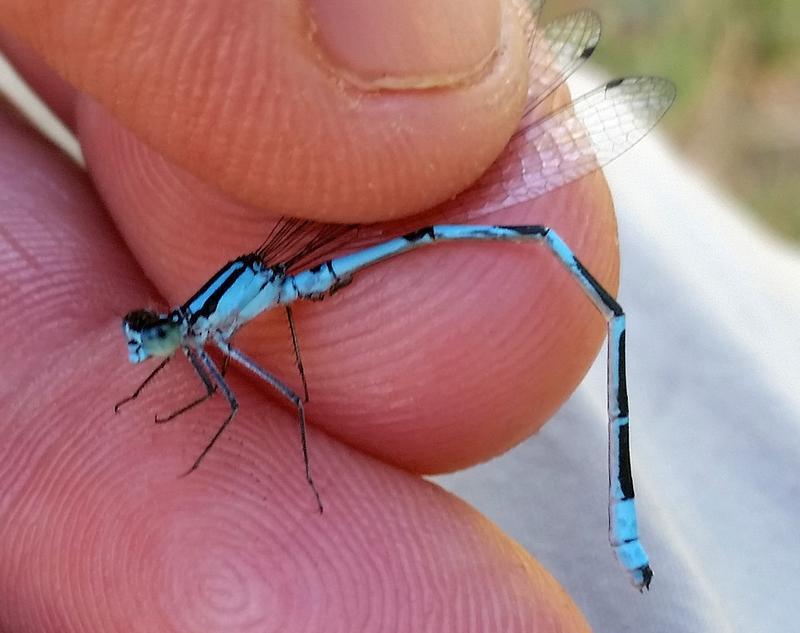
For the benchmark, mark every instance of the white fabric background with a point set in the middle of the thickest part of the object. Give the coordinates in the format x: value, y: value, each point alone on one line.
x: 713, y: 342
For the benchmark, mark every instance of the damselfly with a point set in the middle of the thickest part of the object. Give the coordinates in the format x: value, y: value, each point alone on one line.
x: 547, y: 151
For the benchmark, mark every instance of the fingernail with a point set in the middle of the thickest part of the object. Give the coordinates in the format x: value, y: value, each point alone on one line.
x: 406, y: 44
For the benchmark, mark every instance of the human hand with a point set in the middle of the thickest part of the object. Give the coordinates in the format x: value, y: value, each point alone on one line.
x: 430, y: 362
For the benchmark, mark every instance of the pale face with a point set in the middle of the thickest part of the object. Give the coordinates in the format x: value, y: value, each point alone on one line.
x: 150, y: 334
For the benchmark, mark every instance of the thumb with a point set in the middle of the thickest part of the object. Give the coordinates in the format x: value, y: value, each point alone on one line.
x: 296, y: 104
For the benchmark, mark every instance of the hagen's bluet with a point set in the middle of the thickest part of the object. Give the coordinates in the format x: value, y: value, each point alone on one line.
x: 547, y: 151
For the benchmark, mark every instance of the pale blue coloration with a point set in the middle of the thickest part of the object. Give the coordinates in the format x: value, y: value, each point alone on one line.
x: 349, y: 264
x: 267, y: 297
x: 307, y: 284
x: 229, y: 310
x: 623, y: 522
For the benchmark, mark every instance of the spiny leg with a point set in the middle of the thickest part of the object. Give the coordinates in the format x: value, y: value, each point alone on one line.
x: 623, y: 531
x: 287, y: 393
x: 211, y: 368
x: 297, y: 358
x: 136, y: 393
x: 210, y: 386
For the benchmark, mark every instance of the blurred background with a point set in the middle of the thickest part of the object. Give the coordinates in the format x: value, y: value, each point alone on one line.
x: 737, y: 67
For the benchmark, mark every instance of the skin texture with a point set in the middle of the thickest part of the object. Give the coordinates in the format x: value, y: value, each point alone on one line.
x: 430, y: 362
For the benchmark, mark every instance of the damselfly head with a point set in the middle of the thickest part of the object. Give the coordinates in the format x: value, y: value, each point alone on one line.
x: 150, y: 334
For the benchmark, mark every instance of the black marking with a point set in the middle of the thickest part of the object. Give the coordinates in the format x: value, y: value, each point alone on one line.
x: 614, y: 83
x: 587, y: 52
x: 327, y: 265
x: 625, y: 476
x: 419, y: 234
x: 337, y: 283
x: 140, y: 320
x: 528, y: 229
x: 209, y: 307
x: 275, y: 272
x: 622, y: 393
x: 267, y: 282
x: 606, y: 298
x: 647, y: 576
x: 341, y: 282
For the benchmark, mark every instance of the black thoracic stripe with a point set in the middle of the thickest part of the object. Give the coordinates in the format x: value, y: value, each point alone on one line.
x: 622, y: 393
x: 211, y: 303
x: 415, y: 236
x: 614, y: 83
x: 625, y: 476
x: 606, y: 298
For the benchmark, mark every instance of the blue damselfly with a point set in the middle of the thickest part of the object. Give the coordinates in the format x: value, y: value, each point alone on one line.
x: 547, y: 151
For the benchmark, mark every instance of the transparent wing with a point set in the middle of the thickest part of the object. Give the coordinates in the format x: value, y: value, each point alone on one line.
x: 567, y: 144
x: 298, y: 244
x: 544, y: 155
x: 556, y: 51
x: 529, y: 11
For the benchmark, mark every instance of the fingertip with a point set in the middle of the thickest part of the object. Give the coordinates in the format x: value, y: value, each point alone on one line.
x: 257, y: 101
x: 238, y: 544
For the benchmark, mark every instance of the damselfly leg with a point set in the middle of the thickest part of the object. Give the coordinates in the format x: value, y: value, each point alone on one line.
x: 211, y: 387
x: 139, y: 389
x: 296, y: 346
x: 216, y: 376
x: 282, y: 389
